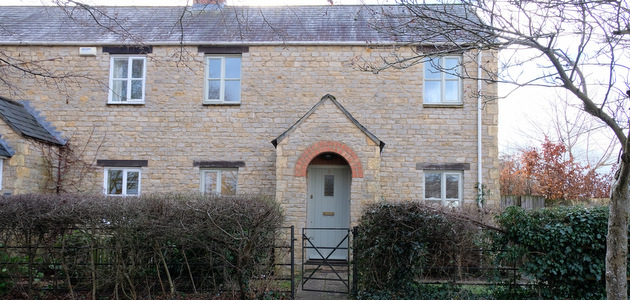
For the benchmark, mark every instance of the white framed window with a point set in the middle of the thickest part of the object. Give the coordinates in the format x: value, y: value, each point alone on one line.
x: 122, y: 181
x: 223, y: 79
x: 127, y: 79
x: 444, y: 187
x: 442, y: 81
x: 219, y: 181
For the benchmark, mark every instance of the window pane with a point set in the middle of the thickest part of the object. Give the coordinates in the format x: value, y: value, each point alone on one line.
x: 329, y: 185
x: 431, y: 69
x: 214, y: 89
x: 114, y: 182
x: 452, y: 186
x: 229, y: 182
x: 233, y: 67
x: 432, y: 90
x: 136, y: 89
x: 214, y: 68
x: 137, y: 67
x: 232, y: 91
x: 119, y: 90
x: 451, y: 91
x: 210, y: 182
x: 433, y: 185
x: 451, y: 68
x: 132, y: 182
x: 120, y: 67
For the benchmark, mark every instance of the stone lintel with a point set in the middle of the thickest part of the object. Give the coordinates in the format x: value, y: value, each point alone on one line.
x: 443, y: 166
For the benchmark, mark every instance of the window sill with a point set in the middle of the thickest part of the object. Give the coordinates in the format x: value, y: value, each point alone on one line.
x: 437, y: 105
x: 221, y: 103
x: 125, y: 103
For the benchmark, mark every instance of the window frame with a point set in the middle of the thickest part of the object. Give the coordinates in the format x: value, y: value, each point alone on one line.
x: 128, y: 79
x: 222, y: 79
x: 218, y: 171
x: 124, y: 181
x: 443, y: 200
x: 443, y: 80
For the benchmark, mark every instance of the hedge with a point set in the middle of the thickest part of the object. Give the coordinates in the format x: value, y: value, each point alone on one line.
x: 559, y: 253
x: 133, y: 247
x: 400, y: 244
x: 562, y: 249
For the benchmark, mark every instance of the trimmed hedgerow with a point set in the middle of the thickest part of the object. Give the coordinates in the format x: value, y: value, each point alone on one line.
x: 561, y: 249
x: 132, y: 247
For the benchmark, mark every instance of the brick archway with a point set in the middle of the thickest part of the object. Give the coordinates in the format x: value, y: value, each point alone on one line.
x: 329, y: 146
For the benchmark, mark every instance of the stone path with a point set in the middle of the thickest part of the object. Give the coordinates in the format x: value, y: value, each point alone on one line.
x: 328, y: 285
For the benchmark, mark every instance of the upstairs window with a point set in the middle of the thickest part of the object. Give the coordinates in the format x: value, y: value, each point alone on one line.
x: 223, y: 79
x: 442, y: 82
x: 443, y: 187
x: 127, y: 79
x: 219, y: 181
x: 122, y: 181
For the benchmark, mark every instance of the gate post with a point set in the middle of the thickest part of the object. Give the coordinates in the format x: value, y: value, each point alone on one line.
x: 292, y: 262
x: 355, y: 231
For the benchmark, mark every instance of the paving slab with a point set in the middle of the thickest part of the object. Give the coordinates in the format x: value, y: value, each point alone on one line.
x: 323, y: 285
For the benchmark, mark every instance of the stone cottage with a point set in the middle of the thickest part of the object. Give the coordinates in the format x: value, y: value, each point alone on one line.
x: 232, y: 99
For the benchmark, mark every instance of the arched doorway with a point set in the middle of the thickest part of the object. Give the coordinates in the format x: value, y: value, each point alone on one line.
x: 328, y: 210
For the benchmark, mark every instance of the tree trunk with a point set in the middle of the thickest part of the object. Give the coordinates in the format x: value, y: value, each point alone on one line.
x: 617, y: 239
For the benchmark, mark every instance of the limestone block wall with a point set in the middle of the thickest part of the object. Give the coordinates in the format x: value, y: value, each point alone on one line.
x: 172, y: 129
x: 25, y: 171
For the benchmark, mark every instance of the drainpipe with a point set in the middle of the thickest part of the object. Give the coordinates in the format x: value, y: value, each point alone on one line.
x: 479, y: 135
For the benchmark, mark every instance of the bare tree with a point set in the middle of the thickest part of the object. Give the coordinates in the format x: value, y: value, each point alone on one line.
x: 586, y: 139
x: 561, y: 44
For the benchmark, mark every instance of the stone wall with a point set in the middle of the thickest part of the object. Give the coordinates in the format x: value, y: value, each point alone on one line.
x: 25, y: 171
x: 279, y: 85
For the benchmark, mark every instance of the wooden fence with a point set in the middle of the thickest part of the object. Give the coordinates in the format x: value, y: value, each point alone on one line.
x: 526, y: 202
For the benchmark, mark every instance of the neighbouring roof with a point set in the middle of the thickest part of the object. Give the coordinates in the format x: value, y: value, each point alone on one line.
x: 27, y: 122
x: 343, y: 24
x: 5, y: 150
x: 329, y: 97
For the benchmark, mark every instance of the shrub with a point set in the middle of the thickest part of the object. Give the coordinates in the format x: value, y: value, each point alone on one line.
x: 398, y: 244
x: 562, y: 249
x: 131, y: 247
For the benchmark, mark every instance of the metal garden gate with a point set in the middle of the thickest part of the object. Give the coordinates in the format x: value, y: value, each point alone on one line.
x: 322, y: 270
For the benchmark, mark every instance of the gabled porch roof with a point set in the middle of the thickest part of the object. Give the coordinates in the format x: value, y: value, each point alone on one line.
x: 329, y: 97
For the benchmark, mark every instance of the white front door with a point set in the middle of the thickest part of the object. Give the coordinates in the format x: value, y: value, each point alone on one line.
x: 328, y: 207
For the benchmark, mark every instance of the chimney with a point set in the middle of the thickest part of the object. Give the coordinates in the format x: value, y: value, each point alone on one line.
x: 208, y: 4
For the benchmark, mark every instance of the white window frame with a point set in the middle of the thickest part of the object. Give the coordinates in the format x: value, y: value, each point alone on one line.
x: 124, y: 183
x: 443, y: 80
x: 128, y: 79
x: 443, y: 200
x: 222, y: 79
x: 219, y: 172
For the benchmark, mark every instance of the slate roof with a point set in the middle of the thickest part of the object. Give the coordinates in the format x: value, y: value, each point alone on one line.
x: 330, y: 97
x: 5, y: 150
x: 342, y: 24
x: 27, y: 122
